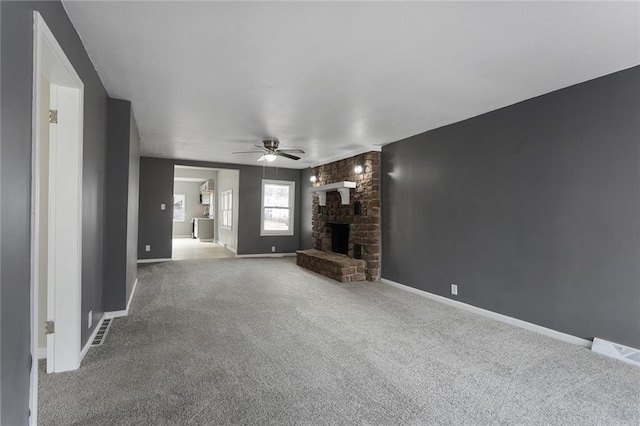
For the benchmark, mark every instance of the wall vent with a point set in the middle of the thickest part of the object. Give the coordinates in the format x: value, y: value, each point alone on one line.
x: 103, y: 329
x: 617, y: 351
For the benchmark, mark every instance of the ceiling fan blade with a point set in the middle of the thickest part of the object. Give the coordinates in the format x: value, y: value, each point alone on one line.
x: 261, y: 158
x: 292, y: 151
x: 285, y: 155
x: 247, y: 152
x: 261, y: 147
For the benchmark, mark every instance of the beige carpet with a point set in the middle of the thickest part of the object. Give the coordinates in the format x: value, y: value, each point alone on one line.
x: 264, y: 342
x: 188, y: 248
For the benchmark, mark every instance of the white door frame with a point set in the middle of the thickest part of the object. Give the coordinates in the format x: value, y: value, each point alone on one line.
x: 65, y: 209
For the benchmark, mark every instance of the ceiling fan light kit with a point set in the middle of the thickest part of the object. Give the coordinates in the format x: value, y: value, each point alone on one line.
x: 270, y: 151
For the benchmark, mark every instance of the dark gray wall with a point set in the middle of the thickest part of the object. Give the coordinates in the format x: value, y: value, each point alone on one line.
x: 15, y: 175
x: 306, y: 209
x: 532, y: 210
x: 250, y: 194
x: 154, y: 225
x: 156, y: 187
x: 121, y: 220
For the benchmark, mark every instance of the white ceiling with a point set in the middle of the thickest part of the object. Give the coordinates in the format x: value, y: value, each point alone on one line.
x: 332, y: 78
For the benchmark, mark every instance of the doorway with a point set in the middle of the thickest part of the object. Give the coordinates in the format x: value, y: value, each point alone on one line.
x: 56, y: 209
x: 197, y: 214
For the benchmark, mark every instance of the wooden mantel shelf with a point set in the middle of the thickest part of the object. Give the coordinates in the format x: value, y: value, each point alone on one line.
x: 342, y: 187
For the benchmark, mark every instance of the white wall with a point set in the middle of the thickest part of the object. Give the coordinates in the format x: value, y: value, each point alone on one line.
x: 193, y: 208
x: 194, y: 172
x: 228, y: 179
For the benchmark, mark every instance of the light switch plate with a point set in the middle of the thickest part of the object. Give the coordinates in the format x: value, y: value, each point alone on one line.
x: 163, y: 206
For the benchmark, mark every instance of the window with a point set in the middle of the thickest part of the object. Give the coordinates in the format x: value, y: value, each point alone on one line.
x: 178, y: 208
x: 227, y: 209
x: 277, y: 207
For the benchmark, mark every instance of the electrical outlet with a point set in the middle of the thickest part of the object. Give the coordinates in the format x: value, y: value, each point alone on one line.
x: 147, y: 248
x: 454, y: 289
x: 273, y: 249
x: 90, y: 319
x: 163, y: 206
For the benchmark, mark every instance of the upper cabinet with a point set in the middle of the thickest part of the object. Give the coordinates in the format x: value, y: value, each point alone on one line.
x: 207, y: 187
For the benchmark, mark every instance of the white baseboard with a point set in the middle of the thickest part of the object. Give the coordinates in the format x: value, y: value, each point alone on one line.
x: 106, y: 315
x: 42, y: 353
x: 115, y: 314
x: 154, y: 260
x: 87, y: 345
x: 124, y: 312
x: 266, y: 255
x: 182, y: 236
x: 133, y: 290
x: 494, y: 315
x: 228, y: 247
x: 616, y: 351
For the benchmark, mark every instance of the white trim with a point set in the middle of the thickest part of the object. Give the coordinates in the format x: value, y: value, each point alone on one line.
x: 232, y: 249
x: 342, y: 187
x: 183, y: 236
x: 124, y: 312
x: 226, y: 199
x: 65, y: 236
x: 133, y: 290
x: 493, y: 315
x: 184, y: 207
x: 348, y: 154
x: 115, y: 314
x: 42, y: 353
x: 179, y: 166
x: 292, y: 205
x: 87, y: 345
x: 267, y: 255
x: 616, y: 351
x: 164, y: 259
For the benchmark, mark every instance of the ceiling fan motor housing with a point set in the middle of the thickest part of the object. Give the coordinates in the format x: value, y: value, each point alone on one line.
x: 271, y: 144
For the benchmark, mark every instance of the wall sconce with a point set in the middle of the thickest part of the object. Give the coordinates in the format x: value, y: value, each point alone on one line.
x: 358, y: 169
x: 313, y: 178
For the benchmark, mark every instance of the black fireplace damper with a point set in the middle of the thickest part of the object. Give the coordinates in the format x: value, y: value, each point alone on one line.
x: 339, y: 237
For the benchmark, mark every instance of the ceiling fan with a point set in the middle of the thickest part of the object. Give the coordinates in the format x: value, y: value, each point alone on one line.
x: 270, y: 151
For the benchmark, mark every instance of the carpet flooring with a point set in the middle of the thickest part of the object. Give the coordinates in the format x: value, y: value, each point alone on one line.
x: 262, y: 341
x: 189, y: 248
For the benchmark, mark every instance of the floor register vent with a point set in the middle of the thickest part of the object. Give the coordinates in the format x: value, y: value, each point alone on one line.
x: 617, y: 351
x: 102, y: 332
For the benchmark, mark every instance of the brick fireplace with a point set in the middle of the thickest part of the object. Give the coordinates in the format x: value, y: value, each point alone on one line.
x: 352, y: 229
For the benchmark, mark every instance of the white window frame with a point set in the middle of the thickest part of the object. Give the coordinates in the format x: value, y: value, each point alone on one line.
x: 184, y: 207
x: 227, y: 209
x: 292, y: 196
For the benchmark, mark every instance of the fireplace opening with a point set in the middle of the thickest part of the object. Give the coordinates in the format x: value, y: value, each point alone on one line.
x: 339, y: 237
